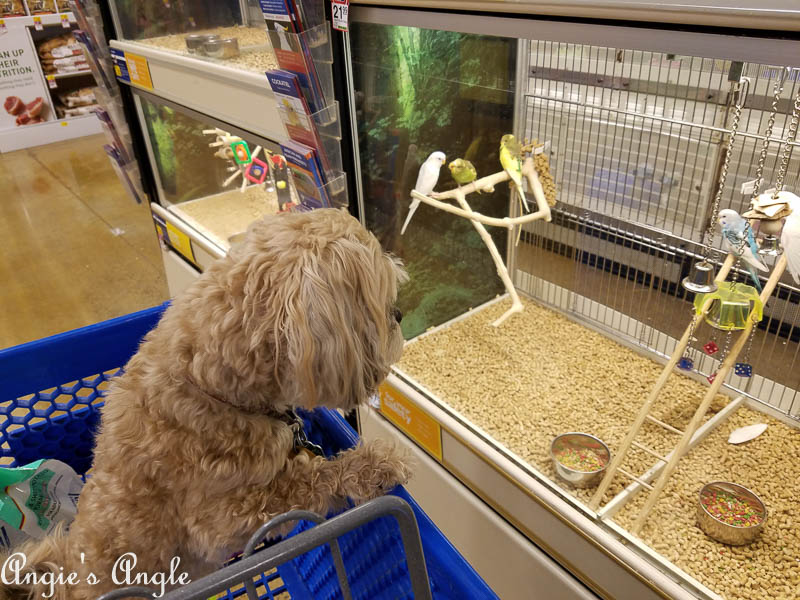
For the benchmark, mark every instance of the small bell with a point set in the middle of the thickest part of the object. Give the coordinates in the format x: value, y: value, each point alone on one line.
x: 770, y: 246
x: 701, y: 279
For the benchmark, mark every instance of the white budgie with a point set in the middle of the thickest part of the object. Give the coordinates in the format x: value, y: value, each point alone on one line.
x: 426, y: 181
x: 738, y: 239
x: 790, y: 237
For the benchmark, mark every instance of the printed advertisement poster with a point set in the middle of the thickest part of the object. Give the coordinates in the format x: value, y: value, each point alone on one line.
x: 22, y: 89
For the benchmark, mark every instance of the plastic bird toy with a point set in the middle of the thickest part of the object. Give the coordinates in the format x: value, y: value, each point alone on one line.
x: 426, y: 180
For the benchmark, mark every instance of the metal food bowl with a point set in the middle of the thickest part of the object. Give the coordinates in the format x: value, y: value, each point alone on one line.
x: 222, y: 48
x: 195, y: 42
x: 734, y: 535
x: 577, y: 440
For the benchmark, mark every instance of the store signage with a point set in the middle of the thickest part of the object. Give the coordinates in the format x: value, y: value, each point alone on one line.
x: 339, y: 14
x: 25, y: 98
x: 138, y: 70
x: 120, y: 66
x: 131, y: 68
x: 410, y: 419
x: 180, y: 242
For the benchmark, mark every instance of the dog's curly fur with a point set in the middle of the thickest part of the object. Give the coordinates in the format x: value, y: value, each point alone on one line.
x: 190, y: 458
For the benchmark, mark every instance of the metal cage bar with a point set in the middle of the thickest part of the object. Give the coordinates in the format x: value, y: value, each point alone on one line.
x: 635, y: 141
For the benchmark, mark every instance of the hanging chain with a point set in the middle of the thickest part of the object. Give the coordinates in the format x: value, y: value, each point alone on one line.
x: 749, y: 347
x: 727, y: 346
x: 762, y: 157
x: 723, y: 174
x: 787, y: 147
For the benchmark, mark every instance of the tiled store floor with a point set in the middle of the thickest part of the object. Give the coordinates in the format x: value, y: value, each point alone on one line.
x: 74, y: 248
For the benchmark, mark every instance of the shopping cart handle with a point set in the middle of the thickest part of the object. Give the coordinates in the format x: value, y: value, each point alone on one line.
x: 290, y: 548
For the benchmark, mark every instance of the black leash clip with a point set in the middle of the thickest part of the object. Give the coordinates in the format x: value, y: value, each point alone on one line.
x: 300, y: 440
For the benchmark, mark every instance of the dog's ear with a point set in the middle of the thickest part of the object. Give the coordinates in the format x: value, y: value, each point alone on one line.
x: 322, y: 307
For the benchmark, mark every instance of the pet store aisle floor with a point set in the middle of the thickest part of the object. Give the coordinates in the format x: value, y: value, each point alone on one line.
x: 75, y: 248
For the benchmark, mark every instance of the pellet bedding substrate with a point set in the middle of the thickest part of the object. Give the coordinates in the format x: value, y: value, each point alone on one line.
x: 229, y: 213
x: 539, y: 375
x: 250, y: 60
x: 770, y: 466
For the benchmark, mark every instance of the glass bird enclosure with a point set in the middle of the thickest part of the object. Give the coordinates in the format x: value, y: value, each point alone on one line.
x: 219, y: 179
x: 605, y: 242
x: 229, y: 33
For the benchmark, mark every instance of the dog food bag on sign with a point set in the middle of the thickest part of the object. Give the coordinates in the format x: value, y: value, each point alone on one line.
x: 35, y: 498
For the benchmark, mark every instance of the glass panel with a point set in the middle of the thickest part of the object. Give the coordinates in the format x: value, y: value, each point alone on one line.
x: 165, y: 25
x: 635, y: 142
x: 419, y: 91
x: 202, y: 181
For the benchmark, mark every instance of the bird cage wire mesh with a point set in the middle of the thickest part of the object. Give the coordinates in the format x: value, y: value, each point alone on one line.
x: 636, y: 141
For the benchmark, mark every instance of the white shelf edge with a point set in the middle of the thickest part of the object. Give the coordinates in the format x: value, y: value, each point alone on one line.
x: 238, y: 77
x: 47, y: 19
x: 57, y: 130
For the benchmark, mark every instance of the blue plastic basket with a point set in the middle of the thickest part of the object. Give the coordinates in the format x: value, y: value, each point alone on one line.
x: 52, y: 390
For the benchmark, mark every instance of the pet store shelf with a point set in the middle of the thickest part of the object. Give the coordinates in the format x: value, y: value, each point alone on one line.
x: 48, y: 132
x: 236, y: 96
x: 48, y: 19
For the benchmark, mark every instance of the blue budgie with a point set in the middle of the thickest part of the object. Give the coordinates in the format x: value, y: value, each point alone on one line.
x: 737, y: 238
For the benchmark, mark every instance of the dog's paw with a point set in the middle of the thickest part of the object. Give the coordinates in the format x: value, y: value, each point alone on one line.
x: 375, y: 467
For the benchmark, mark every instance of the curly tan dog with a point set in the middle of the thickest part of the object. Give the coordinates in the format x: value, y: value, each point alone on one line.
x: 191, y: 456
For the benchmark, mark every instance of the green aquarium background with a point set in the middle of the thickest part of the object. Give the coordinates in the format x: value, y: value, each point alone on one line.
x: 418, y: 91
x: 186, y: 165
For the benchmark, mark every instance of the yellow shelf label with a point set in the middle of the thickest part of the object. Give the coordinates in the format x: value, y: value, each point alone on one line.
x: 138, y: 70
x: 180, y: 241
x: 412, y: 420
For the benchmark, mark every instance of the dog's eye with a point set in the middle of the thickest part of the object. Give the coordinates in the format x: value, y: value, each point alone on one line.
x: 398, y: 316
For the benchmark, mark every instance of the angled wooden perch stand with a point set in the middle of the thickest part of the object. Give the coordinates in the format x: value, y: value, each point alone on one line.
x: 671, y: 461
x: 487, y: 184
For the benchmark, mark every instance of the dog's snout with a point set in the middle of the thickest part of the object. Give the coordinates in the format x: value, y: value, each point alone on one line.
x: 398, y: 316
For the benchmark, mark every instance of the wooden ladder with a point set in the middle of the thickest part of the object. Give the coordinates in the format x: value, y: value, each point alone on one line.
x: 671, y: 462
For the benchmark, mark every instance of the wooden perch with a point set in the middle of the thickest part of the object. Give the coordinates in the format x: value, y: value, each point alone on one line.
x: 479, y: 220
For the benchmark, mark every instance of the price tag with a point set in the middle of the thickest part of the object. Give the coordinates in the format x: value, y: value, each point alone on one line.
x: 37, y: 23
x: 51, y: 82
x: 409, y: 418
x: 3, y: 28
x: 138, y: 70
x: 339, y: 12
x: 65, y: 21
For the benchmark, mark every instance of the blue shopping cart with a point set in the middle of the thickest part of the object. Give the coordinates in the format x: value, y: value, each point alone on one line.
x: 51, y: 393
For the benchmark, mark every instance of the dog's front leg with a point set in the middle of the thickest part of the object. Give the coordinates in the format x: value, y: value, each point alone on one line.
x: 306, y: 482
x: 315, y: 483
x: 371, y: 469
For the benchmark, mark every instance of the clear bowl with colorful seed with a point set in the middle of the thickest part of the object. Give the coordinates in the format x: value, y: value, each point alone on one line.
x: 579, y: 458
x: 730, y: 513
